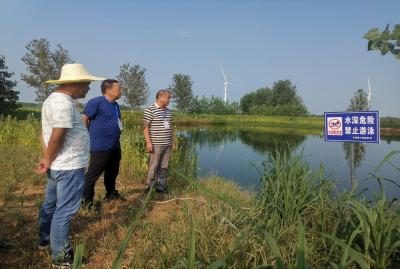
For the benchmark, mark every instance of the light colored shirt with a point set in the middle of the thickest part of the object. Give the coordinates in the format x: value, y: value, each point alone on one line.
x: 59, y: 111
x: 160, y: 124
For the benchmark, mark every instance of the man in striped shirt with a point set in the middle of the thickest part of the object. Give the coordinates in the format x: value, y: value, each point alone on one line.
x: 158, y: 133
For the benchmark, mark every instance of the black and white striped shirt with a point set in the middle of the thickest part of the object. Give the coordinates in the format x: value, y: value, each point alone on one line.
x: 160, y: 124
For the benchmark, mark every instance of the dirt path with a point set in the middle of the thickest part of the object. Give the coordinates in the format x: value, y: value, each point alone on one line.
x: 100, y: 230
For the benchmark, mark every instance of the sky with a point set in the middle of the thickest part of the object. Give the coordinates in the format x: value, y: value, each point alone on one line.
x: 318, y: 45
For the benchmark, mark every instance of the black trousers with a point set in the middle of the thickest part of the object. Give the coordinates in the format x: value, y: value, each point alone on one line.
x: 106, y: 161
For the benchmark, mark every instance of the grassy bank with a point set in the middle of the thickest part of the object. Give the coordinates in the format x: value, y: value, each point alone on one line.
x: 295, y: 219
x: 389, y: 125
x: 133, y: 118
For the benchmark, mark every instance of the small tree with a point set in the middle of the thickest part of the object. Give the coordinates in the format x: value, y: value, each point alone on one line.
x: 199, y: 105
x: 43, y: 64
x: 282, y: 99
x: 217, y: 106
x: 386, y: 41
x: 359, y: 101
x: 8, y: 96
x: 262, y: 96
x: 284, y: 92
x: 182, y: 93
x: 135, y: 89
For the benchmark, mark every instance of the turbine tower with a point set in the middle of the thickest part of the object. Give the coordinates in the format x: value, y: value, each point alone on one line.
x: 225, y: 83
x: 369, y: 94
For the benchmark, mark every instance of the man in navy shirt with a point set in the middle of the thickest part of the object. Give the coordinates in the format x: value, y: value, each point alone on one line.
x: 102, y: 117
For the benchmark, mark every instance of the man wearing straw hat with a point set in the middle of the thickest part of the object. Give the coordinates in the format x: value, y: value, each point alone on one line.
x: 65, y: 146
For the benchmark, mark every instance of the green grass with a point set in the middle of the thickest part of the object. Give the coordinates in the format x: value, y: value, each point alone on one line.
x: 292, y: 193
x: 23, y: 133
x: 376, y: 228
x: 303, y: 121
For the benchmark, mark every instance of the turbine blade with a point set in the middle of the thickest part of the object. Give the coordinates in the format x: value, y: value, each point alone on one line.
x: 223, y: 73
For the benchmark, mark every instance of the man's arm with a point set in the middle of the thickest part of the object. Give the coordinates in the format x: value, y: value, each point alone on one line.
x: 56, y: 142
x: 85, y: 119
x: 42, y: 144
x: 149, y: 145
x: 90, y: 111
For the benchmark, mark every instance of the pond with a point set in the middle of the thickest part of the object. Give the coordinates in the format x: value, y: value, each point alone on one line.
x: 238, y: 154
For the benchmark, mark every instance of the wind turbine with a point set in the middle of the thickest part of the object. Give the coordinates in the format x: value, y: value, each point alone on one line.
x: 369, y: 94
x: 225, y: 83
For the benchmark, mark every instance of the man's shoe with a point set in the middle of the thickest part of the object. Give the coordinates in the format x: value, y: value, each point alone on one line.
x: 61, y: 265
x: 64, y: 263
x: 146, y: 190
x: 114, y: 196
x: 43, y: 246
x: 162, y: 191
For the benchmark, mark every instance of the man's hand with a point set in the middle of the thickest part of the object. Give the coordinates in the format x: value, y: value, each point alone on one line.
x: 55, y: 144
x: 149, y: 147
x: 85, y: 120
x: 146, y: 132
x: 44, y: 166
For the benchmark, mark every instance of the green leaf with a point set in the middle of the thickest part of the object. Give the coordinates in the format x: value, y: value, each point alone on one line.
x: 362, y: 260
x: 372, y: 34
x: 385, y: 35
x: 301, y: 249
x: 396, y: 33
x: 376, y: 45
x: 370, y: 45
x: 385, y: 159
x: 272, y: 245
x: 78, y: 256
x: 192, y: 252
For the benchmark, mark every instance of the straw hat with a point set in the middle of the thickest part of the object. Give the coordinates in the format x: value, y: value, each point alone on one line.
x: 74, y: 73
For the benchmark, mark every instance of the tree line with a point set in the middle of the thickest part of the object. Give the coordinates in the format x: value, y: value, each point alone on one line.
x: 44, y: 63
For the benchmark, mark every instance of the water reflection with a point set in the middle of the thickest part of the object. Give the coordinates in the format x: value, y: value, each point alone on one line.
x: 268, y: 142
x: 211, y: 137
x: 261, y: 140
x: 359, y: 153
x: 360, y: 150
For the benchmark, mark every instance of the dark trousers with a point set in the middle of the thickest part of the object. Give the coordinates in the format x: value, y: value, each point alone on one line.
x: 106, y: 161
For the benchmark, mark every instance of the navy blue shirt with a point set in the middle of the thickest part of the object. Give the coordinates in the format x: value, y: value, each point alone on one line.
x: 103, y: 123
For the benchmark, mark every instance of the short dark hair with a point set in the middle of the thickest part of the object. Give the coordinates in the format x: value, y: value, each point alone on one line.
x: 162, y: 92
x: 106, y: 84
